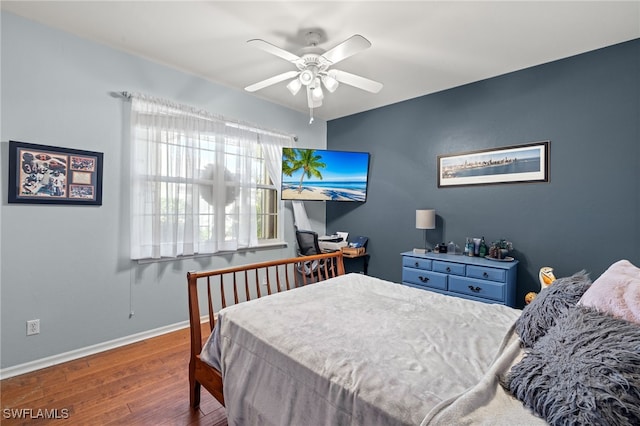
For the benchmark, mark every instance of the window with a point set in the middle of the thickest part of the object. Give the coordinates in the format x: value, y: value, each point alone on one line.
x: 201, y: 184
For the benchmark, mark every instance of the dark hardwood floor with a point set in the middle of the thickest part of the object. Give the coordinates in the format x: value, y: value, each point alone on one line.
x: 145, y: 383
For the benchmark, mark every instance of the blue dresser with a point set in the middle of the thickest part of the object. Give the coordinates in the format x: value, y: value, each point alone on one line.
x: 473, y: 278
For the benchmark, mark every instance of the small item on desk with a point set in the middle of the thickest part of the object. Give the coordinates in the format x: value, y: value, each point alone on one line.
x: 353, y: 251
x: 343, y: 235
x: 356, y: 248
x: 329, y: 243
x: 330, y: 238
x: 359, y: 242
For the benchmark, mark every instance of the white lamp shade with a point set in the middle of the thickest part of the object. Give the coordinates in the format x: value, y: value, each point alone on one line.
x: 294, y: 86
x: 426, y: 219
x: 316, y: 92
x: 330, y: 83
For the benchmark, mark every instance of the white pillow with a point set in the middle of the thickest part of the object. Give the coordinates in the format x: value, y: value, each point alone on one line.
x: 616, y: 292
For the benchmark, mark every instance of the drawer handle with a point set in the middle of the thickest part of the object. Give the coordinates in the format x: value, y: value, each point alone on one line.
x: 484, y: 274
x: 423, y: 279
x: 448, y: 269
x: 417, y: 264
x: 475, y: 289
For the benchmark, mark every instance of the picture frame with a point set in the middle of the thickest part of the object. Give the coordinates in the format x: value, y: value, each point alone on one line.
x: 511, y: 164
x: 44, y: 174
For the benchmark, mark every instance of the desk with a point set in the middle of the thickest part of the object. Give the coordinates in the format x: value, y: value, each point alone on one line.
x: 365, y: 260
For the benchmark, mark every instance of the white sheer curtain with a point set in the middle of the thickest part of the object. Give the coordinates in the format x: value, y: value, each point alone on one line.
x: 193, y: 179
x: 272, y: 145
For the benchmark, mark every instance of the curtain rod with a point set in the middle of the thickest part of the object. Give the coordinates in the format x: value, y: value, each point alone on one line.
x: 129, y: 95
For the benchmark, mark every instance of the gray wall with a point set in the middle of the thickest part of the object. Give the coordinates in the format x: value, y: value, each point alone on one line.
x: 586, y: 217
x: 68, y: 266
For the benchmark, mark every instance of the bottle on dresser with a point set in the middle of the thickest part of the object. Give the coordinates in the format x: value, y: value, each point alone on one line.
x: 468, y: 247
x: 482, y: 252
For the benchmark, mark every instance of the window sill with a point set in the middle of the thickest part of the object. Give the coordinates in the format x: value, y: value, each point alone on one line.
x: 265, y: 246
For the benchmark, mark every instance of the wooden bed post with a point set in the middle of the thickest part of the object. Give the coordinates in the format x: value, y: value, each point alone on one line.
x: 196, y: 339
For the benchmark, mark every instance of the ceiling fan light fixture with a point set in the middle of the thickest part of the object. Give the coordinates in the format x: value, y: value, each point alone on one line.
x: 307, y: 76
x: 313, y: 69
x: 330, y: 83
x: 294, y: 86
x: 316, y: 92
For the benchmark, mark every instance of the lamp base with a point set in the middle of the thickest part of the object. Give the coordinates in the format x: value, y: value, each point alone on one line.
x: 421, y: 251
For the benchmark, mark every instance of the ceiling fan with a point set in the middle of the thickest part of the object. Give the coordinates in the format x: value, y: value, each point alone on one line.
x: 313, y: 68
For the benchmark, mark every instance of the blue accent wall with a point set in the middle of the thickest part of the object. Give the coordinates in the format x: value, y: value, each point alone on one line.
x: 586, y: 217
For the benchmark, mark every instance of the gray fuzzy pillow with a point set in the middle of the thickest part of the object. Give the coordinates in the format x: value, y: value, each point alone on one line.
x: 551, y: 304
x: 584, y: 371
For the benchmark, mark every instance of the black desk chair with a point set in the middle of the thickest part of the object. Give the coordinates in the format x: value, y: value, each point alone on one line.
x: 307, y: 246
x: 307, y: 243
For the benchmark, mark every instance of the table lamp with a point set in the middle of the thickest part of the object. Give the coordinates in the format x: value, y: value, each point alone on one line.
x: 425, y: 219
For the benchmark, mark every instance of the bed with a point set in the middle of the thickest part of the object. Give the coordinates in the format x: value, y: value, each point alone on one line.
x: 247, y: 282
x: 350, y: 349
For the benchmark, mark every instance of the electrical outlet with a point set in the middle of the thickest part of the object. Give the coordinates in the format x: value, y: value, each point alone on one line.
x: 33, y: 327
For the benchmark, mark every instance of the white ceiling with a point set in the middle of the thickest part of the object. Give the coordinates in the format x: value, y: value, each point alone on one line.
x: 418, y: 47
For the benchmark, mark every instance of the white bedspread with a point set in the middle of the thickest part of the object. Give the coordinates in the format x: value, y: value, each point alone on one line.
x: 355, y: 350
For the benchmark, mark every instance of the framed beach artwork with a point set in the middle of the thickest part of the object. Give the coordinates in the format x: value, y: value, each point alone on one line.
x: 512, y: 164
x: 43, y: 174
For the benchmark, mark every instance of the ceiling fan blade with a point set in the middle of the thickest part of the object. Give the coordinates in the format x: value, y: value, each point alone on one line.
x: 312, y: 103
x: 349, y: 47
x: 274, y: 50
x: 273, y: 80
x: 356, y: 81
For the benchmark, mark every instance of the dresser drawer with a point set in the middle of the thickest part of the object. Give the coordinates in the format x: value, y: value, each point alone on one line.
x: 416, y: 262
x: 484, y: 273
x: 424, y: 278
x: 449, y: 268
x: 478, y: 288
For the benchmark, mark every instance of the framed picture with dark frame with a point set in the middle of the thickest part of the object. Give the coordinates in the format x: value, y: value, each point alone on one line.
x: 43, y: 174
x: 511, y: 164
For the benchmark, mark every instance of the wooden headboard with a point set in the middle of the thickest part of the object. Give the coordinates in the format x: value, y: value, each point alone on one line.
x: 230, y: 286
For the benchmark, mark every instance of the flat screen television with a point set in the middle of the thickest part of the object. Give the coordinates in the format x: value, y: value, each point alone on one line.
x: 324, y: 175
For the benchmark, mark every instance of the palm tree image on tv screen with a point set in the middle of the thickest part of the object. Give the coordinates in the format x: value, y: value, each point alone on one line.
x: 324, y: 175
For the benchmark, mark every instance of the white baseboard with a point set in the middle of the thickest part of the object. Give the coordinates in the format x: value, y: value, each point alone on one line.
x: 37, y: 364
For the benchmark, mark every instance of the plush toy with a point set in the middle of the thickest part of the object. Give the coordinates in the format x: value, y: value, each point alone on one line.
x: 546, y: 277
x: 528, y: 298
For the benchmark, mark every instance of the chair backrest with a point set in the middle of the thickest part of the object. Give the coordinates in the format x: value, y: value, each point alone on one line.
x: 307, y: 243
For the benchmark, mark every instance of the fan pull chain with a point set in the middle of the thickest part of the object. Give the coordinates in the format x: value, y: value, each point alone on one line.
x: 310, y: 115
